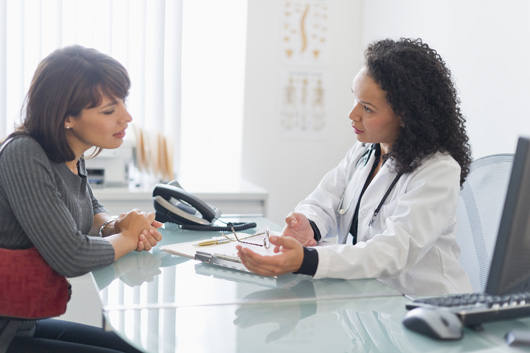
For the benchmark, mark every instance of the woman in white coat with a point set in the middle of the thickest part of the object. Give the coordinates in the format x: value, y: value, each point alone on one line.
x: 391, y: 202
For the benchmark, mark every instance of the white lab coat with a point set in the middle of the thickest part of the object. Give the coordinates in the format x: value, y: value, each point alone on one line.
x: 411, y: 245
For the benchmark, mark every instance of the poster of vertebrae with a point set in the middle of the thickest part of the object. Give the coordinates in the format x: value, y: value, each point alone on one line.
x: 303, y: 74
x: 305, y: 31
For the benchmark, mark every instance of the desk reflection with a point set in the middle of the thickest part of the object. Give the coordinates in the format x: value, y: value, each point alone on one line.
x: 360, y: 325
x: 135, y: 268
x: 184, y: 306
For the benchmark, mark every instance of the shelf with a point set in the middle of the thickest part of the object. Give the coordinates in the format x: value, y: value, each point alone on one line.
x: 241, y: 198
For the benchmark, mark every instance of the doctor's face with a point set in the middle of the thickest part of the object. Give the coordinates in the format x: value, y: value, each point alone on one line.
x: 373, y: 120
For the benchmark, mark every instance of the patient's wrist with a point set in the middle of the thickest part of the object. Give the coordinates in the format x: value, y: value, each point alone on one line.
x: 107, y: 228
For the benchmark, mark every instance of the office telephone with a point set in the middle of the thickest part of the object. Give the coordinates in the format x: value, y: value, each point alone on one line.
x: 174, y: 204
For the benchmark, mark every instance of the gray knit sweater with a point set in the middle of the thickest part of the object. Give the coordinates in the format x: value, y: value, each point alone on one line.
x: 44, y: 204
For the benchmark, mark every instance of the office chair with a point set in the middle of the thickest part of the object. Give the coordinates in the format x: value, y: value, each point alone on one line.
x: 479, y: 213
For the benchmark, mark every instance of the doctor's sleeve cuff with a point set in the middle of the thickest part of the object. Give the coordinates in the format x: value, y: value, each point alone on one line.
x: 309, y: 263
x: 316, y: 232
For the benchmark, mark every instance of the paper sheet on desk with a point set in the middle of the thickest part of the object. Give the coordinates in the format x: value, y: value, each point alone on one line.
x: 189, y: 249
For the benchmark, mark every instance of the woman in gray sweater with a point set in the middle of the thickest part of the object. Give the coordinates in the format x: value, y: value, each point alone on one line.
x: 76, y: 101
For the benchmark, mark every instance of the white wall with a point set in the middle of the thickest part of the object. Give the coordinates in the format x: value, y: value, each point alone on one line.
x: 291, y: 168
x: 486, y: 44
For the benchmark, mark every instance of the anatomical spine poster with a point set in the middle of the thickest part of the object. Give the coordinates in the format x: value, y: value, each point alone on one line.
x: 304, y: 54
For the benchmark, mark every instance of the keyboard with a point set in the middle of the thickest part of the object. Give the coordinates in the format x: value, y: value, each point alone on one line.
x: 476, y: 308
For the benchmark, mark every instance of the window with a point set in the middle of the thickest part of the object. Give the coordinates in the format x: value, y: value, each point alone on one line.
x: 213, y: 68
x: 153, y: 40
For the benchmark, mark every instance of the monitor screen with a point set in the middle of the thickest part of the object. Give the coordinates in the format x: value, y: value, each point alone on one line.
x: 510, y: 266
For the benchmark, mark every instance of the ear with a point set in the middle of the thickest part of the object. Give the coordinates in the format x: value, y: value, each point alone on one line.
x: 67, y: 123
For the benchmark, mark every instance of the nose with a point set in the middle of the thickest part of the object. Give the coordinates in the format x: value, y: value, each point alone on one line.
x: 128, y: 116
x: 354, y: 113
x: 125, y: 116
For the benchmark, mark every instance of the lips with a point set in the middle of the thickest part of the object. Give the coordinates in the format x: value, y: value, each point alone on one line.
x: 357, y: 131
x: 120, y: 134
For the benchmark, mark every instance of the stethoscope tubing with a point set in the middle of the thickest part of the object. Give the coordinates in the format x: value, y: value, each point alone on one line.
x: 343, y: 211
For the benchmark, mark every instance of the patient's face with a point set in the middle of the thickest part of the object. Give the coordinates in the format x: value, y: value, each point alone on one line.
x: 102, y: 126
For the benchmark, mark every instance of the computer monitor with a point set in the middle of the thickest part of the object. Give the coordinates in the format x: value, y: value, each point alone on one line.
x: 510, y: 266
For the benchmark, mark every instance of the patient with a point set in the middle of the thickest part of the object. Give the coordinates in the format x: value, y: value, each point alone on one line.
x: 76, y: 101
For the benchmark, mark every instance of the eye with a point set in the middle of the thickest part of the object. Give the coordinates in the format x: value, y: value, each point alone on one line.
x: 367, y: 109
x: 109, y: 112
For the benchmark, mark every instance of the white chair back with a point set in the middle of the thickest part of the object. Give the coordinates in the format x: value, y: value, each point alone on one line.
x: 479, y: 213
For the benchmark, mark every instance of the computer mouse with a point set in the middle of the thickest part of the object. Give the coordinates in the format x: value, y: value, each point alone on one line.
x: 435, y: 323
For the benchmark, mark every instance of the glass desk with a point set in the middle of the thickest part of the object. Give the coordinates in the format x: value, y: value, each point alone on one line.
x: 159, y: 279
x: 166, y: 303
x: 333, y: 325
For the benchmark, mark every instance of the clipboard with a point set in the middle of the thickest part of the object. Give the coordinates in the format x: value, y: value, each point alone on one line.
x: 223, y: 254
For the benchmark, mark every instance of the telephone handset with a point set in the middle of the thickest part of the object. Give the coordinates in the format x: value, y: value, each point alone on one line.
x: 176, y: 205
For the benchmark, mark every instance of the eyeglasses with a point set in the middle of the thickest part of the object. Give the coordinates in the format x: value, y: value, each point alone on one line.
x: 266, y: 242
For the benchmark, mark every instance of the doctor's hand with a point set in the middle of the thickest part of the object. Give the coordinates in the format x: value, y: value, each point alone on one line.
x: 289, y: 257
x: 297, y: 226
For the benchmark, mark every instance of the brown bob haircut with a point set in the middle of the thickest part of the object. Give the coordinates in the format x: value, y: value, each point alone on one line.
x: 66, y: 82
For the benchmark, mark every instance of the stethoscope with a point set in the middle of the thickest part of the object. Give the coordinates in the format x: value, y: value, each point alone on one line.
x: 365, y: 158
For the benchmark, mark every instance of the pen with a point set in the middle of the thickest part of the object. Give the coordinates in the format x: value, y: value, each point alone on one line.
x: 213, y: 242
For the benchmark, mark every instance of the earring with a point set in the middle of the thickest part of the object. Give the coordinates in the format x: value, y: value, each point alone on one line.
x: 68, y: 127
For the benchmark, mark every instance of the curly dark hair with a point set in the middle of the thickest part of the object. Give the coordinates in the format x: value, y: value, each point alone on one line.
x: 420, y: 90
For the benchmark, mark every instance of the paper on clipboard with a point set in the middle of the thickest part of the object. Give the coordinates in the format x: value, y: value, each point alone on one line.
x: 224, y: 254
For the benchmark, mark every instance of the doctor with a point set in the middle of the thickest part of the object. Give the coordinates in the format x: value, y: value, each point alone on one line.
x: 392, y: 200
